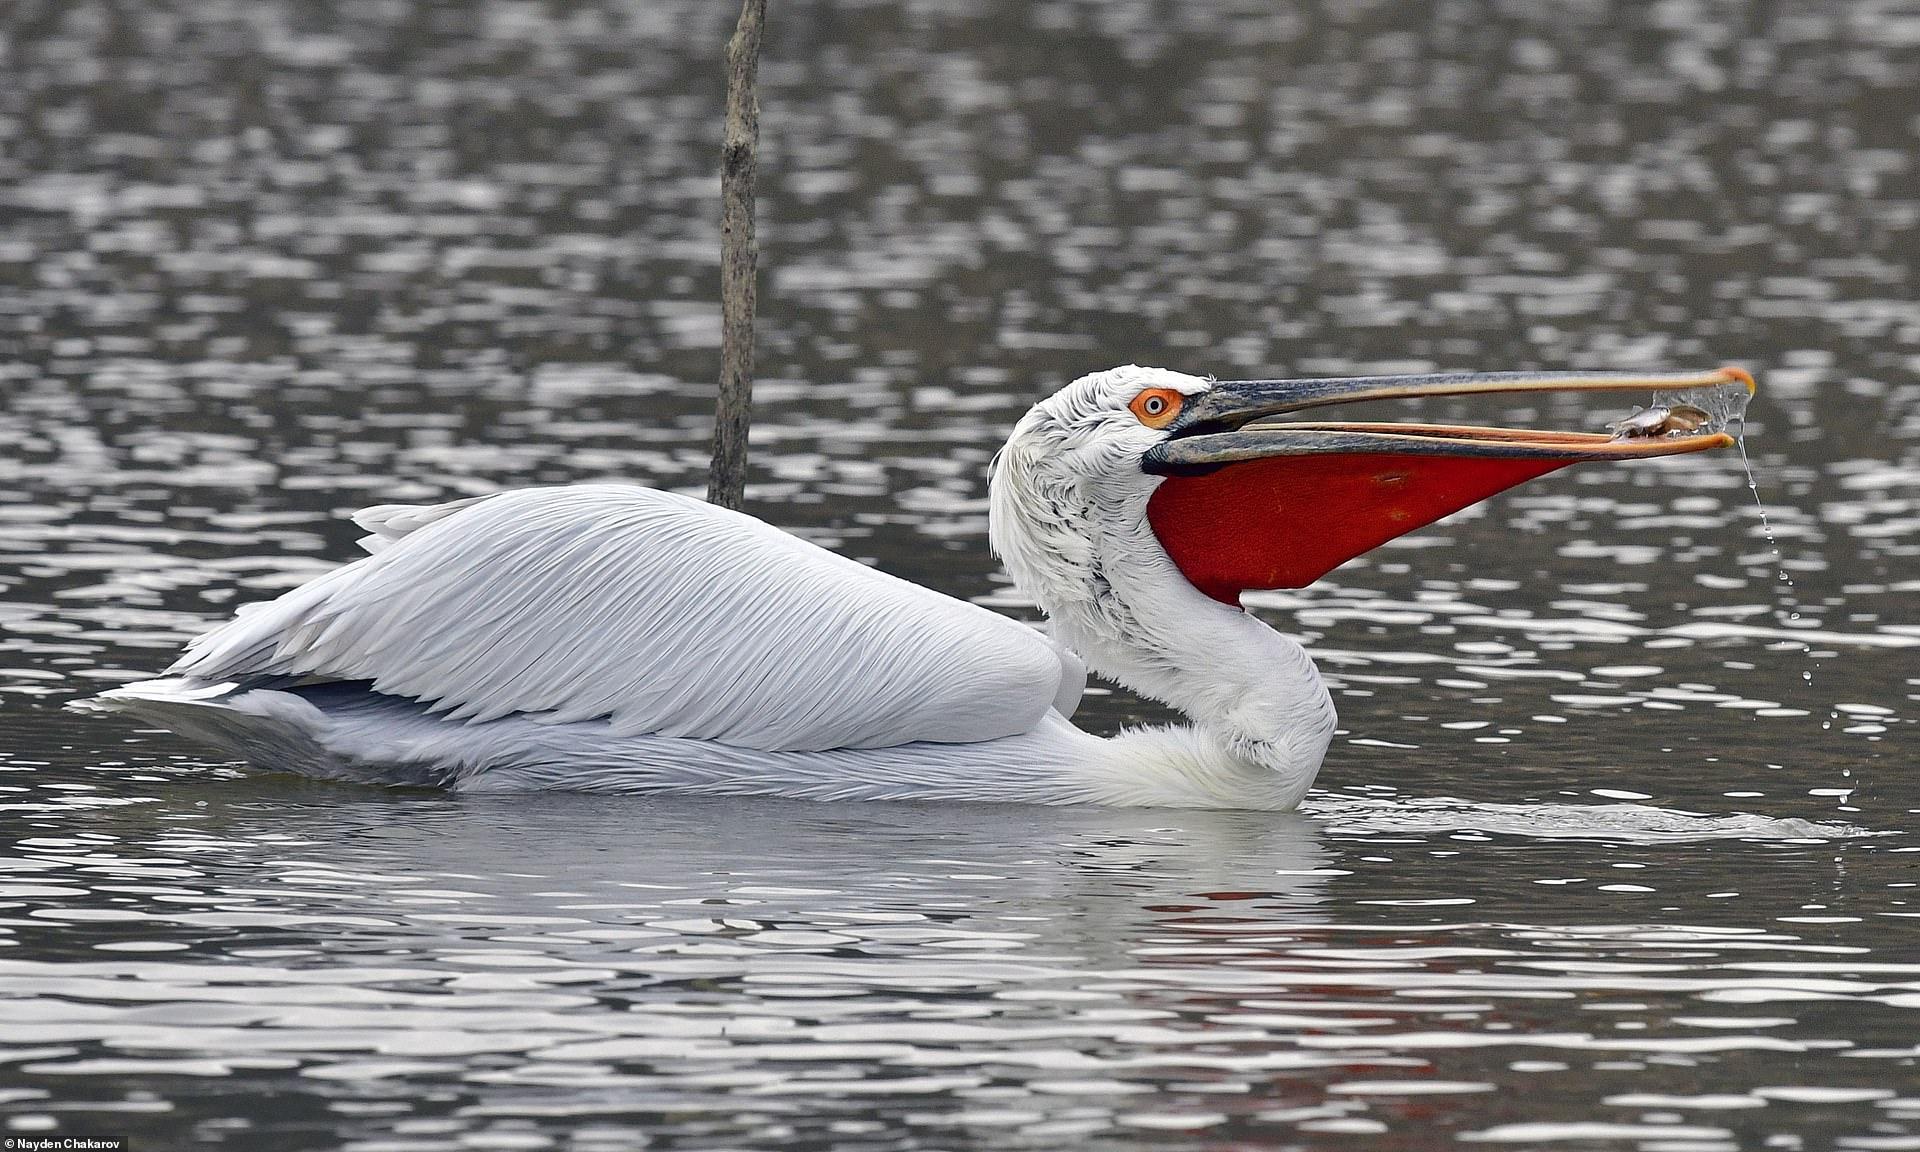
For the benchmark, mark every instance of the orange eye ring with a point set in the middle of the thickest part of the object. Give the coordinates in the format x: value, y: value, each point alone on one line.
x: 1157, y: 407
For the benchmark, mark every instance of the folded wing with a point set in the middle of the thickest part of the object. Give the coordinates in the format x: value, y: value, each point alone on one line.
x: 658, y: 613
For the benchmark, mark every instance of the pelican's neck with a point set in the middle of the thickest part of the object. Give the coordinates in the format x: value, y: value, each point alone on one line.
x: 1112, y: 594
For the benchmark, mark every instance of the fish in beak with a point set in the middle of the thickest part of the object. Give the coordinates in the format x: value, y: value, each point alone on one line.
x: 1248, y: 505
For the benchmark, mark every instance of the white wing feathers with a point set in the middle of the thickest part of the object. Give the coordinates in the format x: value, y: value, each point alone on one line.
x: 661, y: 614
x: 386, y: 523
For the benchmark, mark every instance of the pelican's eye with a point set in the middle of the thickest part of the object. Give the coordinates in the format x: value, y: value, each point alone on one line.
x: 1156, y: 407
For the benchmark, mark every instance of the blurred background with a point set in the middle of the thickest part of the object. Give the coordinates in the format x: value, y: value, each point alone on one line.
x: 263, y: 262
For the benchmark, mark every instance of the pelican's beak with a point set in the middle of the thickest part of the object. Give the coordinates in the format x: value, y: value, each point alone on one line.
x: 1248, y: 505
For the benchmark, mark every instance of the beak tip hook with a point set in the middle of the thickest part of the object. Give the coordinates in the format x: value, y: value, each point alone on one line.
x: 1734, y: 371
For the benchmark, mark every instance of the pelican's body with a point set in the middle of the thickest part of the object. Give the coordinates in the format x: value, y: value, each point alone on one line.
x: 614, y: 638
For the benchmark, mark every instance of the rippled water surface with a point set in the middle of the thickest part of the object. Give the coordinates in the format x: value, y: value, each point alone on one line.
x: 1614, y: 848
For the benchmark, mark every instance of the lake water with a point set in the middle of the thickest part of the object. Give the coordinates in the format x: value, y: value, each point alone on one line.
x: 1615, y: 848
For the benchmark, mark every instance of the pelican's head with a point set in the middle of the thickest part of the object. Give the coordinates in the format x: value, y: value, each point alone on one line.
x: 1136, y: 505
x: 1136, y: 466
x: 1095, y: 433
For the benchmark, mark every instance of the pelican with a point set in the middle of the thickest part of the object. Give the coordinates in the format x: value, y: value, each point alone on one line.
x: 604, y: 637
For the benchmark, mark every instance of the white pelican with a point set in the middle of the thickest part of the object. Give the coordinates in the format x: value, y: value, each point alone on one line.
x: 623, y: 639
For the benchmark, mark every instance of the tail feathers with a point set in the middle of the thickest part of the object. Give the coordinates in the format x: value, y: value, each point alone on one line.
x: 334, y: 732
x: 173, y: 688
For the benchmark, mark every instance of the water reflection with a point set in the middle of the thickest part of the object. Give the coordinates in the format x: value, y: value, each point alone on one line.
x: 750, y: 970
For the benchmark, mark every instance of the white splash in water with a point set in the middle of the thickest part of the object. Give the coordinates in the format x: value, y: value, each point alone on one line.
x: 1629, y: 823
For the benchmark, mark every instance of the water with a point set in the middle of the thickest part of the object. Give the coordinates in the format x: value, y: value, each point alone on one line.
x: 1585, y: 864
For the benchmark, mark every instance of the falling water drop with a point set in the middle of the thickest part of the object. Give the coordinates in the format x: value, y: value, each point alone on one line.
x: 1786, y: 599
x: 1786, y: 607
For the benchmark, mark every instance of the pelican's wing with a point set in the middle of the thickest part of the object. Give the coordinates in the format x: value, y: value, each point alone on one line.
x: 660, y: 613
x: 386, y: 523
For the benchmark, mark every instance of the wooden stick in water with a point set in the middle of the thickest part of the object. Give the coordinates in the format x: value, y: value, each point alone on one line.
x: 727, y: 479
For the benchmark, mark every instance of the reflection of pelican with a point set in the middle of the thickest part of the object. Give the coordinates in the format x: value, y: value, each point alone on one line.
x: 625, y: 639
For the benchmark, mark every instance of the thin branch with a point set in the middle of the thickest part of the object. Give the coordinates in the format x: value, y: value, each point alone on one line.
x: 727, y: 481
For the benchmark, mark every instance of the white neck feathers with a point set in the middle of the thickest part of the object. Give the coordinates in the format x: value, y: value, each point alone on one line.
x: 1082, y: 547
